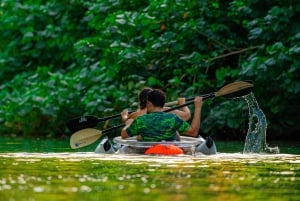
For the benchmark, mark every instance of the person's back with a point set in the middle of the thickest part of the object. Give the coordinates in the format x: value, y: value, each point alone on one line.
x: 157, y: 125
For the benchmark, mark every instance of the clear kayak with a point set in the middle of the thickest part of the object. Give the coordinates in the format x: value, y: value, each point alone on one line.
x: 189, y: 145
x: 183, y: 143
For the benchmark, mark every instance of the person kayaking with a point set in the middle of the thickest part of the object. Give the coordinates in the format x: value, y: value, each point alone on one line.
x: 106, y: 147
x: 184, y: 113
x: 157, y: 125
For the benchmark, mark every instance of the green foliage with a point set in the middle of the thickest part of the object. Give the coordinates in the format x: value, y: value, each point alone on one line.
x: 61, y: 59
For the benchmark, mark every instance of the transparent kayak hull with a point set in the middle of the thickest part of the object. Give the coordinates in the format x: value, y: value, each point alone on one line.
x: 185, y: 142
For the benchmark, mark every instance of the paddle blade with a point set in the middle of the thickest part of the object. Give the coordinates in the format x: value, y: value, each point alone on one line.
x: 84, y: 137
x: 235, y: 89
x: 82, y: 122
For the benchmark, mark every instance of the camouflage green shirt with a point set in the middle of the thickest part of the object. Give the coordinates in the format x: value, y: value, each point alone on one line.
x: 157, y: 126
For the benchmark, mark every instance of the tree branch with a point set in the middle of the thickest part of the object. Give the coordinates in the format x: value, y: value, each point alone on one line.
x: 231, y: 53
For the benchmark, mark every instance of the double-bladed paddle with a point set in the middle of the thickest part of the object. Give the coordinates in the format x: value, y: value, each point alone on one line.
x: 90, y: 121
x: 88, y: 136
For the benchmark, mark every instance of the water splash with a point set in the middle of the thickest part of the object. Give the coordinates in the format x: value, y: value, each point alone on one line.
x: 256, y: 136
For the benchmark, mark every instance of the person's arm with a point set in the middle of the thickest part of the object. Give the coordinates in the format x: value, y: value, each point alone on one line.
x: 124, y: 133
x: 184, y: 113
x: 195, y: 125
x: 126, y: 116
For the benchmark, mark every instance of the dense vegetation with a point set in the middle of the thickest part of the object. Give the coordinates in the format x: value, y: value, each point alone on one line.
x: 60, y: 59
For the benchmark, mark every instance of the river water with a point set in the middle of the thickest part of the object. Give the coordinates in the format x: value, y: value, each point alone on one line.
x: 37, y: 170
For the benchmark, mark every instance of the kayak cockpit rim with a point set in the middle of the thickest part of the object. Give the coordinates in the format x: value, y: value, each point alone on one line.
x: 185, y: 142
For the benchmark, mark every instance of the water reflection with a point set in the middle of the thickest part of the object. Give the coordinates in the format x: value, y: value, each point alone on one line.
x: 89, y: 176
x: 139, y: 159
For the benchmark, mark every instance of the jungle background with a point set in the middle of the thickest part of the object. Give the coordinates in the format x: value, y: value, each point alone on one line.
x: 61, y: 59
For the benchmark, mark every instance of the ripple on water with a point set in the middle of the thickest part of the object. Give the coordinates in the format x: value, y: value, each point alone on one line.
x: 187, y: 160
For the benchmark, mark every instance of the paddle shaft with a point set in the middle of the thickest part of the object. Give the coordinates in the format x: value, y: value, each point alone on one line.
x: 191, y: 101
x: 118, y: 115
x: 110, y: 117
x: 206, y: 96
x: 112, y: 128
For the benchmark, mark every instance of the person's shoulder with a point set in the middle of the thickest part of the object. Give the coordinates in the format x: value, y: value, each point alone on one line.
x: 169, y: 115
x: 175, y: 116
x: 143, y: 116
x: 136, y: 114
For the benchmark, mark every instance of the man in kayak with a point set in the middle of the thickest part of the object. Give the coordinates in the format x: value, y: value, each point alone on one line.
x: 184, y: 113
x: 158, y: 125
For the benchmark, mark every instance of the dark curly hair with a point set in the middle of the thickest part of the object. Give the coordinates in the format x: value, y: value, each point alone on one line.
x: 143, y: 97
x: 157, y: 97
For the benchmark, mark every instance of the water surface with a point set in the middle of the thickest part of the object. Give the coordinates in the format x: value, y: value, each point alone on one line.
x: 37, y: 170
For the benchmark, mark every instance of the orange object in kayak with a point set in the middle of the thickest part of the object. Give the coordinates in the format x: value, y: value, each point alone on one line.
x: 164, y: 149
